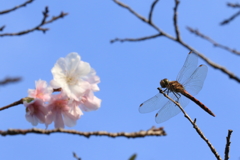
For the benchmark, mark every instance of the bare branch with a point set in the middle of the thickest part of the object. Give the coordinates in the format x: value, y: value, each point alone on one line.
x: 211, y: 63
x: 226, y: 21
x: 194, y: 125
x: 2, y: 28
x: 14, y: 8
x: 10, y: 80
x: 57, y: 90
x: 143, y: 19
x: 227, y: 148
x: 135, y: 40
x: 132, y: 11
x: 133, y: 157
x: 38, y: 27
x: 12, y: 104
x: 233, y: 5
x: 151, y: 10
x: 196, y: 32
x: 175, y: 18
x: 24, y: 99
x: 214, y: 65
x: 75, y: 156
x: 150, y: 132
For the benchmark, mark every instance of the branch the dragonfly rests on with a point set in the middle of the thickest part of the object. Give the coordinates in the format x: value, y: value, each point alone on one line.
x: 194, y: 125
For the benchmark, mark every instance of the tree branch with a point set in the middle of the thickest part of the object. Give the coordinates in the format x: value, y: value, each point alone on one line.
x: 2, y: 28
x: 233, y: 5
x: 196, y: 32
x: 38, y: 27
x: 14, y: 8
x: 175, y: 18
x: 214, y: 65
x: 227, y: 148
x: 135, y: 39
x: 143, y: 19
x: 24, y: 99
x: 151, y: 132
x: 133, y: 157
x: 194, y: 125
x: 151, y: 11
x: 10, y: 80
x: 226, y: 21
x: 130, y: 10
x: 12, y: 104
x: 75, y: 156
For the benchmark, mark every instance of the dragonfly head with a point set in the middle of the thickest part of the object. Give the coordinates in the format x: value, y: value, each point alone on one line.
x: 164, y: 83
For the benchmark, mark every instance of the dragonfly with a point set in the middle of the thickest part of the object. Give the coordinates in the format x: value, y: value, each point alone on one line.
x: 189, y: 82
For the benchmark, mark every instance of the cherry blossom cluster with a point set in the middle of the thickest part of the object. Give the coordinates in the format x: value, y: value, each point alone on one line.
x: 76, y: 81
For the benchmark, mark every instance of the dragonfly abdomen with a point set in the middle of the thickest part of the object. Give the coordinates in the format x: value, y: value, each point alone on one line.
x: 186, y: 94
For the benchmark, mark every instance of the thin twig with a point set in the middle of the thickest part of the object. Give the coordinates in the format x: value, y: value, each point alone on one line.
x: 194, y: 125
x: 150, y: 132
x: 175, y: 18
x: 132, y: 11
x: 226, y: 21
x: 196, y: 32
x: 12, y: 104
x: 24, y: 99
x: 133, y: 157
x: 151, y: 11
x: 14, y: 8
x: 233, y: 5
x: 75, y: 156
x: 38, y: 27
x: 136, y: 39
x: 208, y: 61
x: 211, y: 63
x: 2, y: 28
x: 10, y: 80
x: 227, y: 148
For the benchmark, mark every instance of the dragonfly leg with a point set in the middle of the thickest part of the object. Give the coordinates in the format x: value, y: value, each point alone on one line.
x: 166, y: 90
x: 177, y: 95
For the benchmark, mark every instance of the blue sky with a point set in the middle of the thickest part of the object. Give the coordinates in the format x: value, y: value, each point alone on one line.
x: 130, y: 73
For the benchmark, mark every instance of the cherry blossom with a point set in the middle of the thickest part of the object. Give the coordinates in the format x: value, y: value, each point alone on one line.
x: 42, y: 91
x: 89, y: 102
x: 68, y: 74
x: 35, y: 111
x: 62, y: 112
x: 76, y: 81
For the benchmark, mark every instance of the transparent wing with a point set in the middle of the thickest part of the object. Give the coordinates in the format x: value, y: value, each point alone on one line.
x: 153, y: 103
x: 188, y: 68
x: 170, y: 110
x: 195, y: 82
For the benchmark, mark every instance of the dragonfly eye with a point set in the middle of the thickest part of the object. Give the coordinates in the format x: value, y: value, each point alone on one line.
x: 164, y: 83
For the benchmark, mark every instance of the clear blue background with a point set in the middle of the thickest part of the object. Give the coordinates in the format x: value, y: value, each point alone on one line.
x: 130, y: 74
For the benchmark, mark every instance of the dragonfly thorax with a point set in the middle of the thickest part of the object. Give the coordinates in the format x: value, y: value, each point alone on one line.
x: 164, y: 83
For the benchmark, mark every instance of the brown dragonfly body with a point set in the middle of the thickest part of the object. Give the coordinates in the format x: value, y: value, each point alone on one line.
x: 176, y: 88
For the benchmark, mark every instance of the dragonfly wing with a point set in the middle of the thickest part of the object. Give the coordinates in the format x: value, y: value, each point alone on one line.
x: 195, y: 82
x: 170, y: 110
x: 188, y: 68
x: 153, y: 103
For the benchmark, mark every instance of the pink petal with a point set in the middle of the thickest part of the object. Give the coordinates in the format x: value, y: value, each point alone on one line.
x: 90, y: 102
x: 58, y: 123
